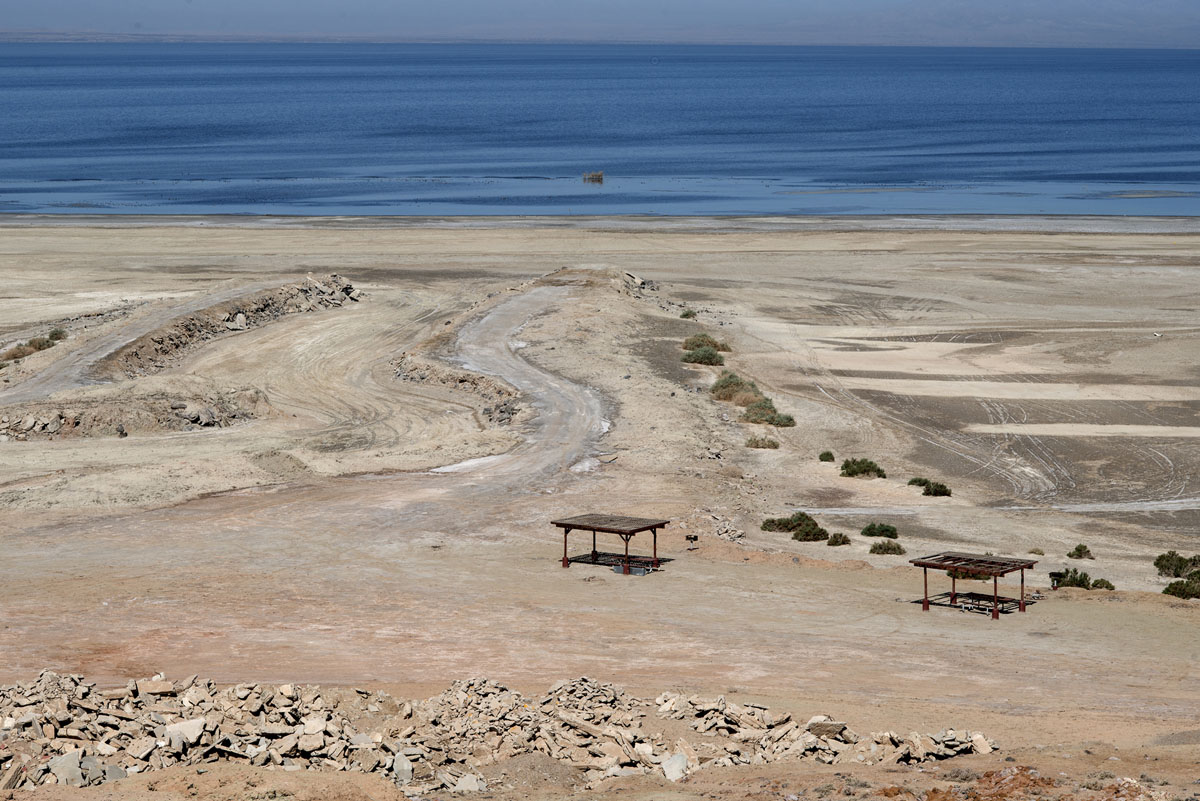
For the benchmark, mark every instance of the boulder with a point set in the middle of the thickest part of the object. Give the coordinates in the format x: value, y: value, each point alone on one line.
x: 675, y: 767
x: 153, y: 686
x: 469, y: 783
x: 402, y: 770
x: 66, y: 768
x: 185, y: 733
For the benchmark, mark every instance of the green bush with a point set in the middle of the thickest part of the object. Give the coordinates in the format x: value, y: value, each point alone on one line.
x: 826, y: 456
x: 57, y: 334
x: 1176, y: 565
x: 761, y: 411
x: 935, y: 488
x: 762, y: 442
x: 40, y: 343
x: 759, y: 408
x: 1075, y: 578
x: 1187, y: 588
x: 862, y: 467
x: 1037, y: 552
x: 696, y: 341
x: 3, y: 365
x: 688, y: 314
x: 703, y: 356
x: 1102, y: 584
x: 887, y: 547
x: 838, y: 538
x: 963, y: 575
x: 802, y: 527
x: 880, y: 530
x: 1080, y: 551
x: 729, y: 384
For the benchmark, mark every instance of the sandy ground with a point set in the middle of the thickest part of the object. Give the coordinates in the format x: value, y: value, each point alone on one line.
x: 376, y: 531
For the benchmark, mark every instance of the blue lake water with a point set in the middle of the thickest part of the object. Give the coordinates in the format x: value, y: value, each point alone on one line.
x: 677, y: 130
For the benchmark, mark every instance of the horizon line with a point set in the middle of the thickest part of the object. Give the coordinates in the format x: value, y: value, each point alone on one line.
x: 19, y: 36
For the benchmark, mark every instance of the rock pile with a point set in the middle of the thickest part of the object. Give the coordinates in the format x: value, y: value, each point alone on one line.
x: 139, y: 413
x: 21, y: 425
x: 162, y: 347
x: 64, y: 730
x: 770, y: 738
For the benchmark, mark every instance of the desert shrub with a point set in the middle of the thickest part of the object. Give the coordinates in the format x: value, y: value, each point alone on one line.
x: 1075, y: 578
x: 1080, y: 551
x: 40, y: 343
x: 826, y: 456
x: 688, y: 314
x: 3, y: 365
x: 57, y: 334
x: 1175, y: 565
x: 703, y: 341
x: 729, y: 384
x: 862, y: 467
x: 1102, y: 584
x: 703, y: 356
x: 887, y: 547
x: 1037, y: 552
x: 762, y: 442
x: 746, y: 396
x: 880, y: 530
x: 838, y: 538
x: 1185, y: 588
x: 761, y: 411
x: 935, y: 488
x: 802, y: 527
x: 811, y: 535
x: 963, y: 575
x: 593, y: 177
x: 18, y: 352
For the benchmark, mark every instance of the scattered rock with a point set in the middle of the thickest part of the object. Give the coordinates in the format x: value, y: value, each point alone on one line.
x: 63, y: 730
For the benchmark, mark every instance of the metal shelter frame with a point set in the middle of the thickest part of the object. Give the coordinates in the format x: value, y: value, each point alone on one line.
x: 975, y: 565
x: 621, y: 525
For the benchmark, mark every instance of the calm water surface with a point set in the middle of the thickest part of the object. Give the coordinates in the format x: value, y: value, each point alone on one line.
x: 509, y: 129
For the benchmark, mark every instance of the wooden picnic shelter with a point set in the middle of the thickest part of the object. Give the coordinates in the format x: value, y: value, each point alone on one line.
x: 623, y: 526
x: 975, y: 566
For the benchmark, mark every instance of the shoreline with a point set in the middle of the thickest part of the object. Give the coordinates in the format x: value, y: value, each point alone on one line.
x: 964, y: 223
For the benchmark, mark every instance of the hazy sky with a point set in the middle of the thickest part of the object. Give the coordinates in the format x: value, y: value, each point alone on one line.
x: 1099, y: 23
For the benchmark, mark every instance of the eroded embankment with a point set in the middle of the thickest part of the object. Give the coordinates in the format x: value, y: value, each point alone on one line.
x: 165, y: 346
x: 149, y: 409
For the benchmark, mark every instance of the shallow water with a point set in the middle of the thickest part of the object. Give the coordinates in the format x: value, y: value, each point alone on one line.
x: 509, y: 129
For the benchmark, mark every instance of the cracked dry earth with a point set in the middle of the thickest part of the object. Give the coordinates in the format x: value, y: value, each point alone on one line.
x: 366, y: 530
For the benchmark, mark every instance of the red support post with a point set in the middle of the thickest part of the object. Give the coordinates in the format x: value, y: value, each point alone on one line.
x: 594, y: 554
x: 566, y: 562
x: 925, y: 602
x: 995, y: 597
x: 1022, y: 604
x: 654, y: 531
x: 626, y: 538
x: 953, y: 590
